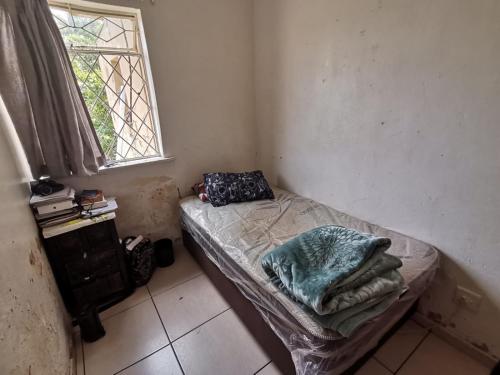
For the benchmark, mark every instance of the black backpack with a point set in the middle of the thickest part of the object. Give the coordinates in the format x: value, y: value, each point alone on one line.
x: 140, y: 260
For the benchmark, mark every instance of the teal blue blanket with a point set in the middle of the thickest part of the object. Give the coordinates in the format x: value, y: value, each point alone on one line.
x: 340, y: 276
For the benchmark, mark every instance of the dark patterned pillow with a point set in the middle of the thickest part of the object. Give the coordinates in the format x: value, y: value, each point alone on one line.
x: 225, y: 188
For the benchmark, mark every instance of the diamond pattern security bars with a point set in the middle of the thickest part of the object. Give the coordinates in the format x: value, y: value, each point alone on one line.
x: 109, y: 67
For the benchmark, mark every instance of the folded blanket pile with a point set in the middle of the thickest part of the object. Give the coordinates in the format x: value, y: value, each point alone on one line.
x: 339, y: 276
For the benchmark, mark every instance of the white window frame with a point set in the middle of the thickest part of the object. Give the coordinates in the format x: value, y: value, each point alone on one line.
x: 109, y: 10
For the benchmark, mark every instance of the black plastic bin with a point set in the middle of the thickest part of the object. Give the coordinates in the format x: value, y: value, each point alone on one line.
x: 164, y: 252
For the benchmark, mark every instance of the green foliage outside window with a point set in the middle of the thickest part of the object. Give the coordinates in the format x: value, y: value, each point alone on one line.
x: 89, y: 76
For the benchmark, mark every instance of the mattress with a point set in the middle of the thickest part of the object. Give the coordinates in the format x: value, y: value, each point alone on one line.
x: 235, y: 237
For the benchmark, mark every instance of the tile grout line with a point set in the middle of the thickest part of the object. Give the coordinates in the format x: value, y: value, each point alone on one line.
x: 166, y: 333
x: 174, y: 286
x: 164, y: 328
x: 268, y: 363
x: 161, y: 321
x: 150, y: 297
x: 199, y: 325
x: 381, y: 364
x: 413, y: 351
x: 419, y: 324
x: 157, y: 350
x: 126, y: 309
x: 139, y: 360
x: 83, y: 353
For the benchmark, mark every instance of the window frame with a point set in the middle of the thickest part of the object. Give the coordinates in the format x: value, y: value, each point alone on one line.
x: 110, y: 10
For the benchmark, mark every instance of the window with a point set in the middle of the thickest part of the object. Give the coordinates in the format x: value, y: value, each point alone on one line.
x: 107, y: 51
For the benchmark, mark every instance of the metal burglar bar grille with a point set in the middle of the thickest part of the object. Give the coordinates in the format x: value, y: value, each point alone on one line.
x: 109, y: 66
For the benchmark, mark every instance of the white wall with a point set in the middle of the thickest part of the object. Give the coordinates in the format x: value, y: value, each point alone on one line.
x: 389, y: 110
x: 202, y: 61
x: 201, y: 56
x: 35, y: 332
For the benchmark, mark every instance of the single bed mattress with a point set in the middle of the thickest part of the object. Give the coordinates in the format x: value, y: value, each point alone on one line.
x: 236, y: 237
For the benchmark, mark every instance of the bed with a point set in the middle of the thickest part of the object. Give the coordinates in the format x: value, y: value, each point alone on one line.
x: 229, y: 243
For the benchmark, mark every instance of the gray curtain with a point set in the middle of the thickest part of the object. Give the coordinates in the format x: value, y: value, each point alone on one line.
x: 41, y: 93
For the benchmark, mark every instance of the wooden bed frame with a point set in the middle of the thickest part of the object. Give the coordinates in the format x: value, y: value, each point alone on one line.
x: 252, y: 319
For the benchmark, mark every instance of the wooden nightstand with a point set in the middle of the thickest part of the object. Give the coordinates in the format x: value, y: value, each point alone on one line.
x: 89, y: 267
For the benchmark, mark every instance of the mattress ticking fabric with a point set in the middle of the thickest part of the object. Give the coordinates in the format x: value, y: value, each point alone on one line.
x: 237, y: 237
x: 339, y: 276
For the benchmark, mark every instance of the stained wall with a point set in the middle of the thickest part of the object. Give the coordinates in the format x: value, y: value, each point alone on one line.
x: 35, y: 331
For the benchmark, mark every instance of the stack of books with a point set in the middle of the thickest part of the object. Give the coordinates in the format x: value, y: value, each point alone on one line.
x: 77, y: 223
x: 94, y: 204
x: 93, y: 207
x: 55, y: 208
x: 64, y: 211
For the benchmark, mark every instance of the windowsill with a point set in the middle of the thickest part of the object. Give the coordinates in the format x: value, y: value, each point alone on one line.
x: 126, y: 164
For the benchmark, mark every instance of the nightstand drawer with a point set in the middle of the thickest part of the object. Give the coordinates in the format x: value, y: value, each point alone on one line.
x: 78, y: 272
x: 100, y: 236
x: 99, y: 289
x: 68, y: 245
x: 89, y: 266
x: 105, y: 262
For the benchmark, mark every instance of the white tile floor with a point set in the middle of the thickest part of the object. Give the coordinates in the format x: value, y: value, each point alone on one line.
x: 179, y: 324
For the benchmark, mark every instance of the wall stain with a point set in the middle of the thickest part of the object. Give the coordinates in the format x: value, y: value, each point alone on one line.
x: 32, y: 258
x: 143, y: 181
x: 35, y: 258
x: 155, y: 203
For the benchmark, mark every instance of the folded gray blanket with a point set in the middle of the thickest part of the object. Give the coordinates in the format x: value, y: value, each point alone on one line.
x: 337, y: 274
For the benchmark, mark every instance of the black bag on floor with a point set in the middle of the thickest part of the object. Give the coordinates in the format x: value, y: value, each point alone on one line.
x: 91, y: 328
x: 141, y: 260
